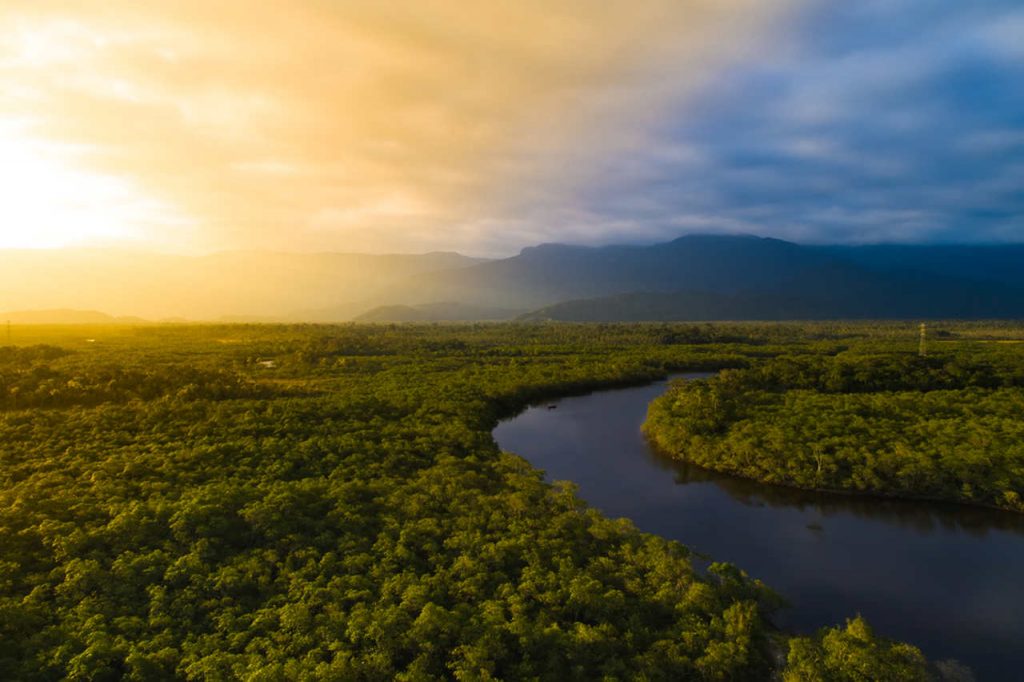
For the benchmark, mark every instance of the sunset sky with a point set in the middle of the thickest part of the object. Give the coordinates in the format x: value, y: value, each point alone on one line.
x: 196, y: 126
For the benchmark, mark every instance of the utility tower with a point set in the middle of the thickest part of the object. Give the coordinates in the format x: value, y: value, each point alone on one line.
x: 922, y: 347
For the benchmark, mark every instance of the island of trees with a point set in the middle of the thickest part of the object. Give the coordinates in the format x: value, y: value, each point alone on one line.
x: 946, y: 426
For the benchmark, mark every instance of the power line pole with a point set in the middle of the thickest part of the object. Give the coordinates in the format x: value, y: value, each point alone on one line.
x: 922, y: 348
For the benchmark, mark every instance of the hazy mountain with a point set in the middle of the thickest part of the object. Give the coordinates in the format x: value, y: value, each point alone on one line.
x: 243, y: 285
x: 693, y: 277
x: 834, y: 289
x: 436, y: 312
x: 744, y: 277
x: 656, y: 306
x: 550, y: 273
x: 60, y: 316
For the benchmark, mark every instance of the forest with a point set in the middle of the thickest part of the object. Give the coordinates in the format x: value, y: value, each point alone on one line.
x: 327, y: 502
x: 941, y: 426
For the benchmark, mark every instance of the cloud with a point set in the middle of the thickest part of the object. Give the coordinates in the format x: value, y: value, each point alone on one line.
x: 880, y: 121
x: 363, y: 124
x: 485, y: 127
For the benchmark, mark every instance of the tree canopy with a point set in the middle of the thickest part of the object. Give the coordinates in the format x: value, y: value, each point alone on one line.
x: 173, y: 506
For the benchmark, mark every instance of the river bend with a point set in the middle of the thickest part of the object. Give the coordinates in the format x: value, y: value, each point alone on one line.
x: 947, y: 578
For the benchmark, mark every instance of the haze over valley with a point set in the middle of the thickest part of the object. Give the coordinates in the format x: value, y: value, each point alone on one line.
x: 697, y: 277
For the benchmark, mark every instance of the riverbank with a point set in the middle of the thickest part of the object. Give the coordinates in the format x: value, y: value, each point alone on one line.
x: 911, y: 568
x: 891, y: 435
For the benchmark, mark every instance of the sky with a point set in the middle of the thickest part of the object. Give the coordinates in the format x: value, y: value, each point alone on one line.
x: 373, y: 126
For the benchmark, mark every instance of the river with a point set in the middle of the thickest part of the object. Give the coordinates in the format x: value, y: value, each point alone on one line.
x: 947, y: 578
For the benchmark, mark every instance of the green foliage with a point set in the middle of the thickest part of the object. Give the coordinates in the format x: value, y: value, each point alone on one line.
x: 852, y: 654
x: 942, y: 427
x: 37, y: 377
x: 327, y: 503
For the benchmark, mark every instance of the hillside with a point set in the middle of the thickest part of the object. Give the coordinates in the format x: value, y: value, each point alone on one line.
x: 551, y: 273
x: 714, y: 277
x: 656, y: 306
x: 436, y: 312
x: 819, y: 294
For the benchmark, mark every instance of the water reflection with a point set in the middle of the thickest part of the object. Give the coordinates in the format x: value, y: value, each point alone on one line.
x: 922, y: 517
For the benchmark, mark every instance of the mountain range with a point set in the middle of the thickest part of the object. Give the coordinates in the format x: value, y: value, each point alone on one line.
x: 695, y: 277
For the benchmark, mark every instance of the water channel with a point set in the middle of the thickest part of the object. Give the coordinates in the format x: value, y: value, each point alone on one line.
x: 947, y: 578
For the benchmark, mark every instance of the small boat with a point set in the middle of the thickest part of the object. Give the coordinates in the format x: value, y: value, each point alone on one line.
x: 552, y: 406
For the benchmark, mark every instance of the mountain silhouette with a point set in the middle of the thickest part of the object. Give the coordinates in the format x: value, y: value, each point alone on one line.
x: 726, y: 277
x: 695, y: 277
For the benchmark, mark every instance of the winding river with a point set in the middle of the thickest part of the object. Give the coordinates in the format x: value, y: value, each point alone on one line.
x: 947, y: 578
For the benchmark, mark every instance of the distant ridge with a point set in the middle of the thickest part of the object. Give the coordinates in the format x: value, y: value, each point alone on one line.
x: 742, y: 277
x: 692, y: 277
x: 59, y: 316
x: 551, y: 273
x: 436, y: 312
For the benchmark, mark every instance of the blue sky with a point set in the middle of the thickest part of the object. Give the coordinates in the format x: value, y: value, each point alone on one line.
x: 181, y: 125
x: 875, y: 121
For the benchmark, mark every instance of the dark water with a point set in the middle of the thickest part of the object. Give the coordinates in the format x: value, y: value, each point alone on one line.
x: 949, y: 579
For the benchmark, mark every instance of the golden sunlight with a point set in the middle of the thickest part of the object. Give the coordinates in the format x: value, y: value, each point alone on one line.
x: 49, y: 201
x: 349, y: 126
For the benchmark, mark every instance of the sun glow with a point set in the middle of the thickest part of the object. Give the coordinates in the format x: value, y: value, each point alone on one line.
x: 49, y: 201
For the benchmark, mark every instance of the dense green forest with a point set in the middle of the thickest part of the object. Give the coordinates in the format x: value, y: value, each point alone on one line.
x: 304, y: 502
x: 944, y: 426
